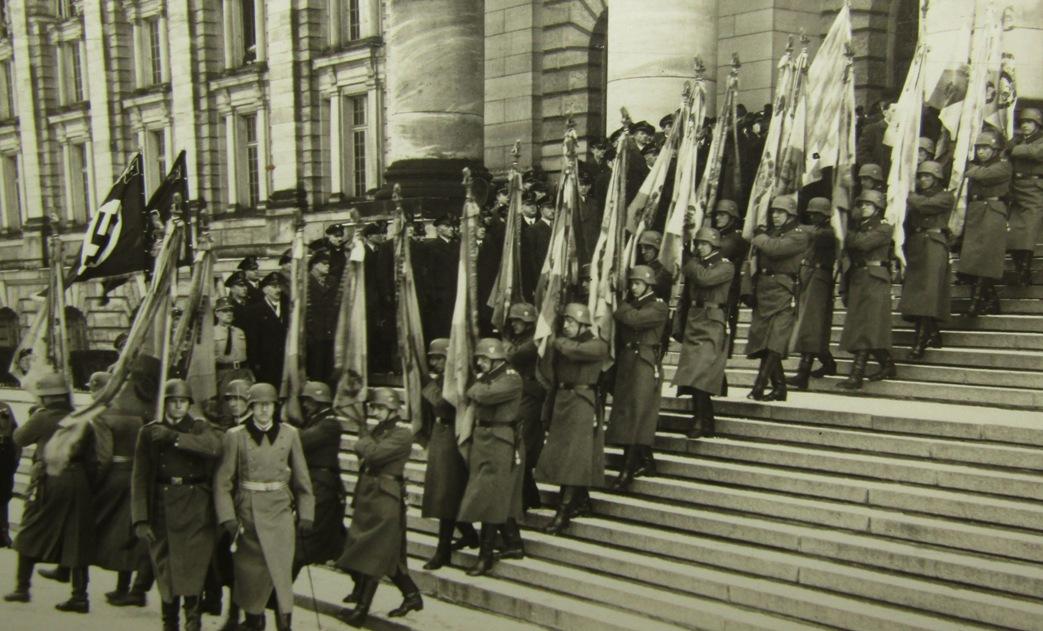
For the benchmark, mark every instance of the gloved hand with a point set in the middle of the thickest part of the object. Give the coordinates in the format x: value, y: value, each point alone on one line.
x: 760, y: 230
x: 231, y: 526
x: 163, y: 435
x: 143, y: 531
x: 5, y: 538
x: 305, y: 526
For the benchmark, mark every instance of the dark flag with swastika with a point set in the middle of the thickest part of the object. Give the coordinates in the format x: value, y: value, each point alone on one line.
x: 114, y: 243
x: 161, y: 205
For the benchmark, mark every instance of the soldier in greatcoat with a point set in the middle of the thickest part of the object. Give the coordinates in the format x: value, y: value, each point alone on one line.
x: 1026, y: 154
x: 496, y: 455
x: 520, y: 347
x: 648, y: 245
x: 446, y: 475
x: 870, y: 178
x: 985, y: 228
x: 437, y: 261
x: 733, y: 248
x: 10, y: 453
x: 926, y: 286
x: 171, y: 502
x: 229, y: 345
x: 320, y: 439
x: 867, y: 328
x: 815, y: 322
x: 376, y: 544
x: 700, y: 327
x: 58, y: 521
x: 639, y: 374
x: 268, y: 319
x: 262, y: 477
x: 320, y: 318
x: 780, y: 249
x: 574, y: 452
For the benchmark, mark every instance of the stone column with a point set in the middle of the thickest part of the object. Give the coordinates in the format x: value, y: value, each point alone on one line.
x: 95, y: 45
x: 285, y: 88
x: 183, y: 95
x: 651, y: 46
x: 435, y: 95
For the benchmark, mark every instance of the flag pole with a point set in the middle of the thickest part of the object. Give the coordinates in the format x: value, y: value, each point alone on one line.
x: 164, y: 354
x: 59, y: 338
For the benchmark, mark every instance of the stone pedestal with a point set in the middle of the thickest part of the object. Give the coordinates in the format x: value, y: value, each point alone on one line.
x: 435, y: 96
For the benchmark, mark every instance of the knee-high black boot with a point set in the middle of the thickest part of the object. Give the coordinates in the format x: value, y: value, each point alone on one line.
x: 800, y: 380
x: 193, y: 613
x: 858, y: 371
x: 933, y: 336
x: 171, y: 614
x: 485, y: 551
x: 23, y: 580
x: 701, y: 402
x: 122, y: 586
x: 513, y: 546
x: 977, y: 297
x: 829, y: 365
x: 887, y: 366
x: 761, y: 380
x: 777, y: 377
x: 562, y: 516
x: 443, y: 551
x: 77, y: 602
x: 626, y: 469
x: 411, y: 599
x: 468, y: 536
x: 357, y: 617
x: 530, y: 491
x: 356, y: 591
x: 919, y: 339
x: 990, y: 300
x: 645, y: 461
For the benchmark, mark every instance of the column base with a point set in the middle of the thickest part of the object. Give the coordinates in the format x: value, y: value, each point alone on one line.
x: 435, y: 185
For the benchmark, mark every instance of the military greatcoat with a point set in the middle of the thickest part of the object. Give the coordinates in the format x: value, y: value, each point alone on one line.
x: 522, y: 356
x: 639, y: 376
x: 171, y: 492
x: 574, y: 453
x: 926, y: 287
x: 815, y: 311
x: 868, y: 322
x: 734, y: 248
x: 1026, y: 212
x: 10, y: 453
x: 446, y: 476
x: 116, y: 546
x: 779, y: 253
x: 262, y: 477
x: 700, y: 325
x: 496, y: 454
x: 376, y: 543
x: 320, y: 439
x: 985, y: 229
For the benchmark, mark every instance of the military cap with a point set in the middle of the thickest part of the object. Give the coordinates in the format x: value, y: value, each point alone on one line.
x: 987, y: 137
x: 317, y: 391
x: 927, y: 145
x: 177, y: 389
x: 322, y: 256
x: 872, y: 171
x: 248, y: 263
x: 238, y: 389
x: 820, y: 206
x: 585, y: 177
x: 706, y: 234
x: 784, y: 202
x: 386, y: 398
x: 145, y: 373
x: 522, y: 311
x: 286, y: 256
x: 98, y: 380
x: 931, y: 167
x: 444, y: 219
x: 727, y: 207
x: 236, y: 278
x: 651, y: 238
x: 374, y: 228
x: 224, y: 304
x: 438, y: 346
x: 262, y: 393
x: 489, y: 347
x: 666, y: 121
x: 1031, y: 114
x: 642, y: 273
x: 272, y: 278
x: 644, y: 126
x: 51, y: 384
x: 873, y: 197
x: 578, y: 312
x: 335, y: 229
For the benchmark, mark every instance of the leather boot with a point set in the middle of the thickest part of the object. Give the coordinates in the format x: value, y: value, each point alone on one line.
x: 59, y: 573
x: 284, y: 621
x: 468, y: 537
x: 357, y: 617
x: 800, y: 380
x: 23, y: 579
x: 411, y: 599
x: 78, y: 602
x: 530, y: 491
x: 932, y: 336
x: 645, y: 461
x: 709, y: 420
x: 232, y: 619
x: 858, y: 371
x: 561, y: 516
x: 777, y: 377
x: 171, y: 615
x: 485, y: 551
x: 356, y: 592
x: 443, y: 552
x: 887, y: 366
x: 990, y: 299
x: 626, y: 470
x: 1026, y: 268
x: 193, y: 613
x: 513, y: 546
x: 1016, y: 261
x: 581, y: 503
x: 253, y: 622
x: 761, y: 381
x: 122, y: 587
x: 919, y: 340
x: 829, y: 366
x: 701, y: 403
x: 974, y: 310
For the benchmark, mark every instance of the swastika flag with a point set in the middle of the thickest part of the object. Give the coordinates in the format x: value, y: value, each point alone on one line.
x: 114, y: 242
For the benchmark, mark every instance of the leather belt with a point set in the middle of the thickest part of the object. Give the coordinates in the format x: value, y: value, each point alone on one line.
x: 929, y: 230
x: 1029, y: 176
x: 699, y: 304
x: 564, y: 385
x: 765, y: 272
x: 187, y: 480
x: 386, y: 476
x: 120, y: 459
x: 261, y: 487
x: 334, y: 470
x: 869, y: 264
x: 977, y: 198
x: 495, y: 423
x: 230, y: 364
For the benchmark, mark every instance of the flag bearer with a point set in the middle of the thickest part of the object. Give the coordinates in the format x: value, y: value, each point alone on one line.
x: 815, y: 324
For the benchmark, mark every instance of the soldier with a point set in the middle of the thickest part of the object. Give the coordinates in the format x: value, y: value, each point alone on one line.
x: 320, y: 318
x: 648, y: 245
x: 780, y: 250
x: 495, y: 455
x: 10, y: 453
x: 261, y: 477
x: 520, y: 348
x: 334, y: 245
x: 815, y: 323
x: 446, y: 475
x: 237, y: 294
x: 574, y: 453
x: 251, y: 271
x: 171, y: 504
x: 924, y: 151
x: 588, y: 219
x: 58, y: 522
x: 381, y: 304
x: 438, y: 260
x: 639, y: 375
x: 229, y: 345
x: 266, y: 332
x: 376, y: 544
x: 925, y: 289
x: 534, y: 242
x: 870, y: 178
x: 733, y: 248
x: 867, y: 328
x: 981, y: 258
x: 700, y: 327
x: 320, y: 439
x: 1026, y: 154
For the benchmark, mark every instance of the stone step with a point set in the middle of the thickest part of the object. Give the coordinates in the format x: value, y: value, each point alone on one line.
x: 1011, y: 323
x: 1000, y: 340
x: 969, y: 358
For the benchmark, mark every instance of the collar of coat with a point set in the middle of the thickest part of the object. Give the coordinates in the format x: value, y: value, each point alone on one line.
x: 495, y: 372
x: 257, y: 435
x: 385, y: 426
x: 713, y: 259
x: 649, y: 296
x: 184, y: 425
x: 319, y: 415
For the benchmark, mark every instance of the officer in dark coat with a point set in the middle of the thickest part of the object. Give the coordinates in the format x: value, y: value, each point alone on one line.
x: 333, y: 244
x: 1026, y: 212
x: 574, y: 453
x: 534, y: 243
x: 171, y: 502
x: 648, y: 245
x: 780, y: 250
x: 320, y: 318
x: 521, y: 351
x: 734, y: 248
x: 700, y: 327
x: 381, y: 305
x: 815, y: 321
x: 487, y: 266
x: 445, y: 477
x: 267, y: 321
x: 376, y: 544
x: 58, y: 521
x: 251, y: 272
x: 985, y: 228
x: 438, y: 260
x: 237, y: 287
x: 639, y: 375
x: 867, y: 328
x: 495, y: 454
x: 587, y: 223
x: 926, y: 287
x: 320, y: 438
x: 10, y: 453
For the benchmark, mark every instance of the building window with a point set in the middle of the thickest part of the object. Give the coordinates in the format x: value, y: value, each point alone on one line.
x: 78, y: 182
x: 244, y: 32
x: 357, y: 111
x: 64, y: 9
x: 345, y: 21
x: 252, y: 160
x: 71, y: 73
x: 155, y: 158
x: 7, y: 90
x: 325, y: 151
x: 12, y: 197
x: 155, y: 50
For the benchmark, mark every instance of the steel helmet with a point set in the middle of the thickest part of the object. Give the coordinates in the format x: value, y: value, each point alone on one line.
x: 223, y: 304
x: 927, y: 145
x: 51, y: 384
x: 820, y: 205
x: 988, y: 138
x: 1031, y: 114
x: 438, y: 346
x: 584, y: 271
x: 522, y: 311
x: 872, y: 171
x: 489, y: 347
x: 317, y: 391
x: 873, y: 197
x: 177, y: 388
x: 784, y: 202
x: 238, y: 388
x: 578, y: 312
x: 385, y: 397
x: 930, y: 167
x: 650, y: 237
x: 262, y: 393
x: 98, y: 380
x: 706, y: 234
x: 642, y: 273
x: 727, y: 207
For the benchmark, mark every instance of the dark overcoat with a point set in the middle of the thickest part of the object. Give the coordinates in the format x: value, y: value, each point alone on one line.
x: 320, y: 440
x: 639, y: 376
x: 868, y: 322
x: 1026, y: 212
x: 266, y: 341
x: 522, y: 356
x: 734, y: 248
x: 438, y: 265
x: 926, y: 288
x: 446, y: 475
x: 779, y: 253
x: 815, y: 308
x: 116, y: 548
x: 700, y: 325
x: 10, y: 454
x: 985, y: 228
